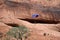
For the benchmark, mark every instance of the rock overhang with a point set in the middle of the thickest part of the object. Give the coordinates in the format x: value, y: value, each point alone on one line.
x: 26, y: 10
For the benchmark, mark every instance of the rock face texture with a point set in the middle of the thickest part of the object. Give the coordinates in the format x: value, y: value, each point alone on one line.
x: 30, y: 10
x: 15, y: 12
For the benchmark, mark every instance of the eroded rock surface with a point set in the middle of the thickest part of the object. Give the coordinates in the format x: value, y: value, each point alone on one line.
x: 14, y: 12
x: 27, y: 9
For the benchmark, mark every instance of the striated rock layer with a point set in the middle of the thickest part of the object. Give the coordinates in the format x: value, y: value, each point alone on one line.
x: 30, y: 10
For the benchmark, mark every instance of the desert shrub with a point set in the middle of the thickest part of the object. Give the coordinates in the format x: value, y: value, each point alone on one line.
x: 20, y: 32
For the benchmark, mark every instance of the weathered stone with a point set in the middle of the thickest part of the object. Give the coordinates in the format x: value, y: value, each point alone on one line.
x: 24, y: 10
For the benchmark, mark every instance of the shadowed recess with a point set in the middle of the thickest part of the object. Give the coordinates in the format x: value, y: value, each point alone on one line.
x: 40, y: 21
x: 13, y: 25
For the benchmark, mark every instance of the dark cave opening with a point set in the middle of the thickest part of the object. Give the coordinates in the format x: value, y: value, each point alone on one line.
x: 40, y: 21
x: 13, y: 25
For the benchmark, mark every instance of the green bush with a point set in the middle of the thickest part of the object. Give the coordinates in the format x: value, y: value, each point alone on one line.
x: 20, y: 32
